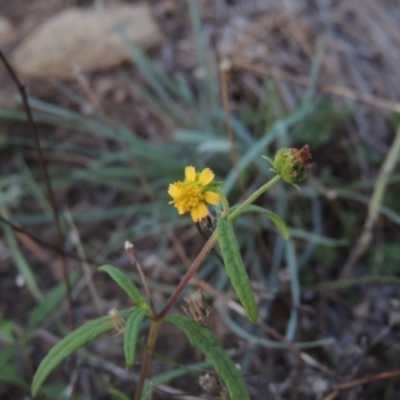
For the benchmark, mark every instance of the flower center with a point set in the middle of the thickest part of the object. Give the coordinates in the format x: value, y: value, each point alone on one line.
x: 190, y: 197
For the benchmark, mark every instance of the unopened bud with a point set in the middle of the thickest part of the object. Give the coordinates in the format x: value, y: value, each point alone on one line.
x: 291, y: 164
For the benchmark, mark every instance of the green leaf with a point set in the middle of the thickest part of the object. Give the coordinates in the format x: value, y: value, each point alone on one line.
x: 65, y: 347
x: 158, y: 380
x: 203, y: 338
x: 278, y: 222
x: 53, y: 391
x: 7, y: 331
x: 20, y: 261
x: 126, y: 283
x: 50, y: 302
x: 131, y: 334
x: 235, y: 268
x: 118, y: 394
x: 9, y: 374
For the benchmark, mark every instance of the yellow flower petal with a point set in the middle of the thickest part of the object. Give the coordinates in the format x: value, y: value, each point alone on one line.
x: 173, y: 190
x: 199, y: 212
x: 212, y: 198
x: 190, y: 174
x: 192, y: 194
x: 206, y: 176
x: 181, y: 210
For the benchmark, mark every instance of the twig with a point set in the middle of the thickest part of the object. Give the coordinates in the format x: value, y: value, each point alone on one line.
x: 130, y: 249
x: 301, y: 80
x: 189, y: 274
x: 224, y: 67
x: 76, y: 241
x: 304, y: 357
x: 83, y: 82
x: 379, y: 377
x: 43, y: 243
x: 49, y: 189
x: 373, y: 208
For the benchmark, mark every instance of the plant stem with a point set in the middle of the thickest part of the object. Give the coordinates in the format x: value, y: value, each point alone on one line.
x: 154, y: 327
x: 253, y: 197
x: 189, y: 274
x: 225, y: 204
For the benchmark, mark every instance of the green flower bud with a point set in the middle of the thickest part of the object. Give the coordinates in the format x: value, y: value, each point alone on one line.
x: 291, y: 164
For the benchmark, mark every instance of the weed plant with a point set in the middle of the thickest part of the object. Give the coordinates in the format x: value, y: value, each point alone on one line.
x: 147, y: 169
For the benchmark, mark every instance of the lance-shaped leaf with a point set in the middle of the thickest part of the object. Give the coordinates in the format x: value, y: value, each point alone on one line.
x: 125, y: 283
x: 235, y: 268
x: 278, y: 222
x: 65, y: 347
x: 203, y: 338
x: 131, y: 334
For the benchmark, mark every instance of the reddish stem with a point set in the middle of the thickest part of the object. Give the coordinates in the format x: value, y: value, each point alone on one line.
x: 189, y: 274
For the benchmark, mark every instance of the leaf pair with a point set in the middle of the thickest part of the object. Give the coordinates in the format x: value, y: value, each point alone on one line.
x: 93, y: 329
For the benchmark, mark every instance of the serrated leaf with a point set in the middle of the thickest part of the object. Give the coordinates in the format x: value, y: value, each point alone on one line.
x: 235, y: 268
x: 278, y: 222
x: 131, y: 334
x: 203, y: 338
x: 125, y: 283
x: 65, y: 347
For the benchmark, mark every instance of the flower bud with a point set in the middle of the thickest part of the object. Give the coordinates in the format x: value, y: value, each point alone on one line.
x: 291, y: 164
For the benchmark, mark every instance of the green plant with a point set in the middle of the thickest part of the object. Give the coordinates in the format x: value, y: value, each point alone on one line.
x: 191, y: 195
x: 199, y: 135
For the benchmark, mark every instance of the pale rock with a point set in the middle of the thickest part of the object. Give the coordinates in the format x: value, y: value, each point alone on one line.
x: 86, y: 40
x: 7, y: 31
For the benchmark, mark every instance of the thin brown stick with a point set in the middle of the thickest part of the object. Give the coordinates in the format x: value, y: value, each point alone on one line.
x: 76, y: 241
x: 43, y: 243
x: 150, y: 194
x: 50, y: 193
x: 374, y: 205
x: 379, y: 377
x: 91, y: 95
x: 304, y: 357
x: 130, y: 249
x: 301, y: 80
x: 224, y: 68
x: 188, y: 276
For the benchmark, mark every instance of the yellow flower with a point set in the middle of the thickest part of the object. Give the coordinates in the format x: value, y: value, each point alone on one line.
x: 194, y: 193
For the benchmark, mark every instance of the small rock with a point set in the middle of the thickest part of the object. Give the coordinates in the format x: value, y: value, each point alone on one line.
x: 7, y: 31
x: 86, y: 39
